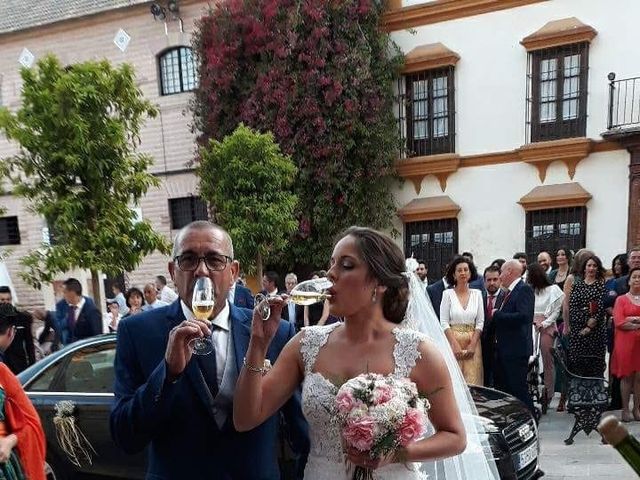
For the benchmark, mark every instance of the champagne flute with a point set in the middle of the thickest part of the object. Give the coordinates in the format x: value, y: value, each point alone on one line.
x: 311, y: 291
x: 202, y: 305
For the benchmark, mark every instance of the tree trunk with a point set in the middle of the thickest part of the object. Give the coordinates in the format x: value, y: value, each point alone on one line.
x: 259, y: 269
x: 95, y: 285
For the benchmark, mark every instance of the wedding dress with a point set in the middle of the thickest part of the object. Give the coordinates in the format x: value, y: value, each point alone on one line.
x: 326, y: 458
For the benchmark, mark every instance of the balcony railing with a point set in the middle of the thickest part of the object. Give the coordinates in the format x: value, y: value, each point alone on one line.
x: 624, y: 102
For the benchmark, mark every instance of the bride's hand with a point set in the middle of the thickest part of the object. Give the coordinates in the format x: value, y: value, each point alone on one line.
x: 363, y: 459
x: 262, y: 330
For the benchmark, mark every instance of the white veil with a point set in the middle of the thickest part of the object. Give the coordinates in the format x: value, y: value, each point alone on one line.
x: 476, y: 462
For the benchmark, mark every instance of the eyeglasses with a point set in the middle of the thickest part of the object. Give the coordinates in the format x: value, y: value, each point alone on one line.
x: 188, y: 262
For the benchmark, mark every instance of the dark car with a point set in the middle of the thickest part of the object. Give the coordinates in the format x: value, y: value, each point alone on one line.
x: 83, y: 373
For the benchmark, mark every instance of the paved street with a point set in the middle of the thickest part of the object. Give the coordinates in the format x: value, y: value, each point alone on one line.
x: 586, y: 458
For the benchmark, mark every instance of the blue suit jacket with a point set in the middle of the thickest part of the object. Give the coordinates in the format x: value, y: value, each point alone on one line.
x: 243, y: 297
x: 88, y: 324
x: 513, y: 323
x: 175, y: 420
x: 435, y: 295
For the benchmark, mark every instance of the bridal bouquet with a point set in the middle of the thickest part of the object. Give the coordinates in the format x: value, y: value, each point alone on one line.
x: 380, y: 414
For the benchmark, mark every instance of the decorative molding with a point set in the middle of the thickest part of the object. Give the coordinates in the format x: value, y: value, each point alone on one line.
x: 429, y: 57
x: 541, y: 154
x: 559, y: 32
x: 441, y: 11
x: 416, y: 168
x: 562, y: 195
x: 495, y: 158
x: 429, y: 208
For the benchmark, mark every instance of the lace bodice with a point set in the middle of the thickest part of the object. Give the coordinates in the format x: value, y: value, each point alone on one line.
x: 326, y: 458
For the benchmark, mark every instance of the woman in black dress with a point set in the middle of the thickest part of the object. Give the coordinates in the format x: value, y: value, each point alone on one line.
x: 587, y: 325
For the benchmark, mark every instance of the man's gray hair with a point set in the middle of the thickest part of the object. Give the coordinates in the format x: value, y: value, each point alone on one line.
x: 200, y: 225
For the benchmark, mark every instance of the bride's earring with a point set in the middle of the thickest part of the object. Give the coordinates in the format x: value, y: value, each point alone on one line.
x: 373, y: 297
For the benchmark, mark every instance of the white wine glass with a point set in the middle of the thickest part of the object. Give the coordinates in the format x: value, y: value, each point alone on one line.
x: 262, y: 305
x: 311, y: 291
x: 202, y: 305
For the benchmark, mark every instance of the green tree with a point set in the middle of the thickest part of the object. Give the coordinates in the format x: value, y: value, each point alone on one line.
x: 78, y: 129
x: 247, y: 180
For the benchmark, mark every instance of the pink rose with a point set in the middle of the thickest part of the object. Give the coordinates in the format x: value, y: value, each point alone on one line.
x: 360, y: 433
x: 382, y: 394
x: 345, y: 402
x: 412, y: 427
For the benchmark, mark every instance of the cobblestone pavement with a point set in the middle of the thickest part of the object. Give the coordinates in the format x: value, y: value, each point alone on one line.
x: 586, y: 458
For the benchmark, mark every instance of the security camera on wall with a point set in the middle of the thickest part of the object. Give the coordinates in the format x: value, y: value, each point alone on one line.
x: 158, y: 12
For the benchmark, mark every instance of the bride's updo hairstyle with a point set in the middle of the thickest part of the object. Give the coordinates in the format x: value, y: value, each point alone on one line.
x: 386, y: 264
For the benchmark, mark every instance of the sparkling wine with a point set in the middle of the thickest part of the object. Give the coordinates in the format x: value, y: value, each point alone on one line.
x: 307, y: 298
x: 203, y: 310
x: 619, y: 438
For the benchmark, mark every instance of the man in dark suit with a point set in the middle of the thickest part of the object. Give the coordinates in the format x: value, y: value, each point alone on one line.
x: 242, y: 296
x: 513, y: 326
x: 179, y: 405
x: 492, y: 296
x: 435, y: 293
x: 77, y: 316
x: 270, y: 284
x: 20, y: 354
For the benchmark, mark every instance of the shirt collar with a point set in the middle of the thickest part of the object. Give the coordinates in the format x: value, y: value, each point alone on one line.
x: 221, y: 320
x: 444, y: 280
x: 80, y: 304
x: 513, y: 284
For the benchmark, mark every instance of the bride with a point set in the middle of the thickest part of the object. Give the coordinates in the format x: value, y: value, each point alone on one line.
x: 371, y: 290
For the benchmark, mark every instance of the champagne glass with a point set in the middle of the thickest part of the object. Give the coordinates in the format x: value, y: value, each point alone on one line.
x: 202, y: 305
x: 262, y: 305
x: 311, y: 291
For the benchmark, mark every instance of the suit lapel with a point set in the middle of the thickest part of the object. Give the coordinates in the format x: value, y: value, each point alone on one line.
x: 241, y: 335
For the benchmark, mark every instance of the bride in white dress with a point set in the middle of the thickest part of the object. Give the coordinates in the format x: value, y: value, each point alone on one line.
x: 371, y: 291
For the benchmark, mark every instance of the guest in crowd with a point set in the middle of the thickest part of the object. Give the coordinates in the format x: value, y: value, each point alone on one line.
x: 544, y: 260
x: 135, y: 301
x: 633, y: 261
x: 240, y: 295
x: 558, y: 276
x: 21, y: 352
x: 498, y: 262
x: 492, y: 296
x: 422, y: 271
x: 22, y: 441
x: 587, y: 326
x: 151, y: 298
x: 625, y: 360
x: 111, y: 319
x: 167, y: 294
x: 522, y: 258
x: 513, y: 325
x: 47, y: 337
x: 118, y: 296
x: 548, y: 305
x: 462, y: 319
x: 270, y: 284
x: 77, y: 316
x: 317, y: 313
x: 291, y: 312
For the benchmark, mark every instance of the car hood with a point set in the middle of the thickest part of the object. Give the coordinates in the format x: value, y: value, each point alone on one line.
x: 498, y: 407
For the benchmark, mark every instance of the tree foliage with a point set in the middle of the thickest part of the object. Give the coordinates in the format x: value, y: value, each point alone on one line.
x: 247, y: 181
x: 319, y: 75
x: 78, y: 129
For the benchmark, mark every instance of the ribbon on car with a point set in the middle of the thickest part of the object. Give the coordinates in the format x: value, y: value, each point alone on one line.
x: 71, y: 439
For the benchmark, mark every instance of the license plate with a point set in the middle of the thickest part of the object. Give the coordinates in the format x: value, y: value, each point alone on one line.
x: 528, y: 455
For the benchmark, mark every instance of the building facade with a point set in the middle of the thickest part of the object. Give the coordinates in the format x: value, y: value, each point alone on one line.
x: 514, y: 137
x: 507, y: 115
x: 158, y: 46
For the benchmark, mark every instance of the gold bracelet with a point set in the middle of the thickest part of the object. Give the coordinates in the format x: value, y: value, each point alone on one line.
x: 266, y: 366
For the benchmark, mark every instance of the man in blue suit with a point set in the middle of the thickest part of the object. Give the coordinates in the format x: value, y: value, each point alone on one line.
x: 492, y: 296
x: 242, y: 296
x: 179, y: 405
x: 77, y: 316
x: 513, y: 327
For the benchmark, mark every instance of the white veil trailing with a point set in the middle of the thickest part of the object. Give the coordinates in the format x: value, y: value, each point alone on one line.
x: 476, y: 462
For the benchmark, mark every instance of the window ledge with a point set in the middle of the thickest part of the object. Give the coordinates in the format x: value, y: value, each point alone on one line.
x: 429, y: 208
x: 542, y: 154
x: 429, y: 57
x: 559, y: 32
x: 562, y: 195
x: 401, y: 18
x: 416, y: 168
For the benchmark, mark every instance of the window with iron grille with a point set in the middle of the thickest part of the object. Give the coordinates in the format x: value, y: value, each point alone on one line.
x: 9, y: 231
x: 549, y: 230
x: 185, y: 210
x: 557, y: 92
x: 434, y: 242
x: 177, y: 71
x: 426, y: 112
